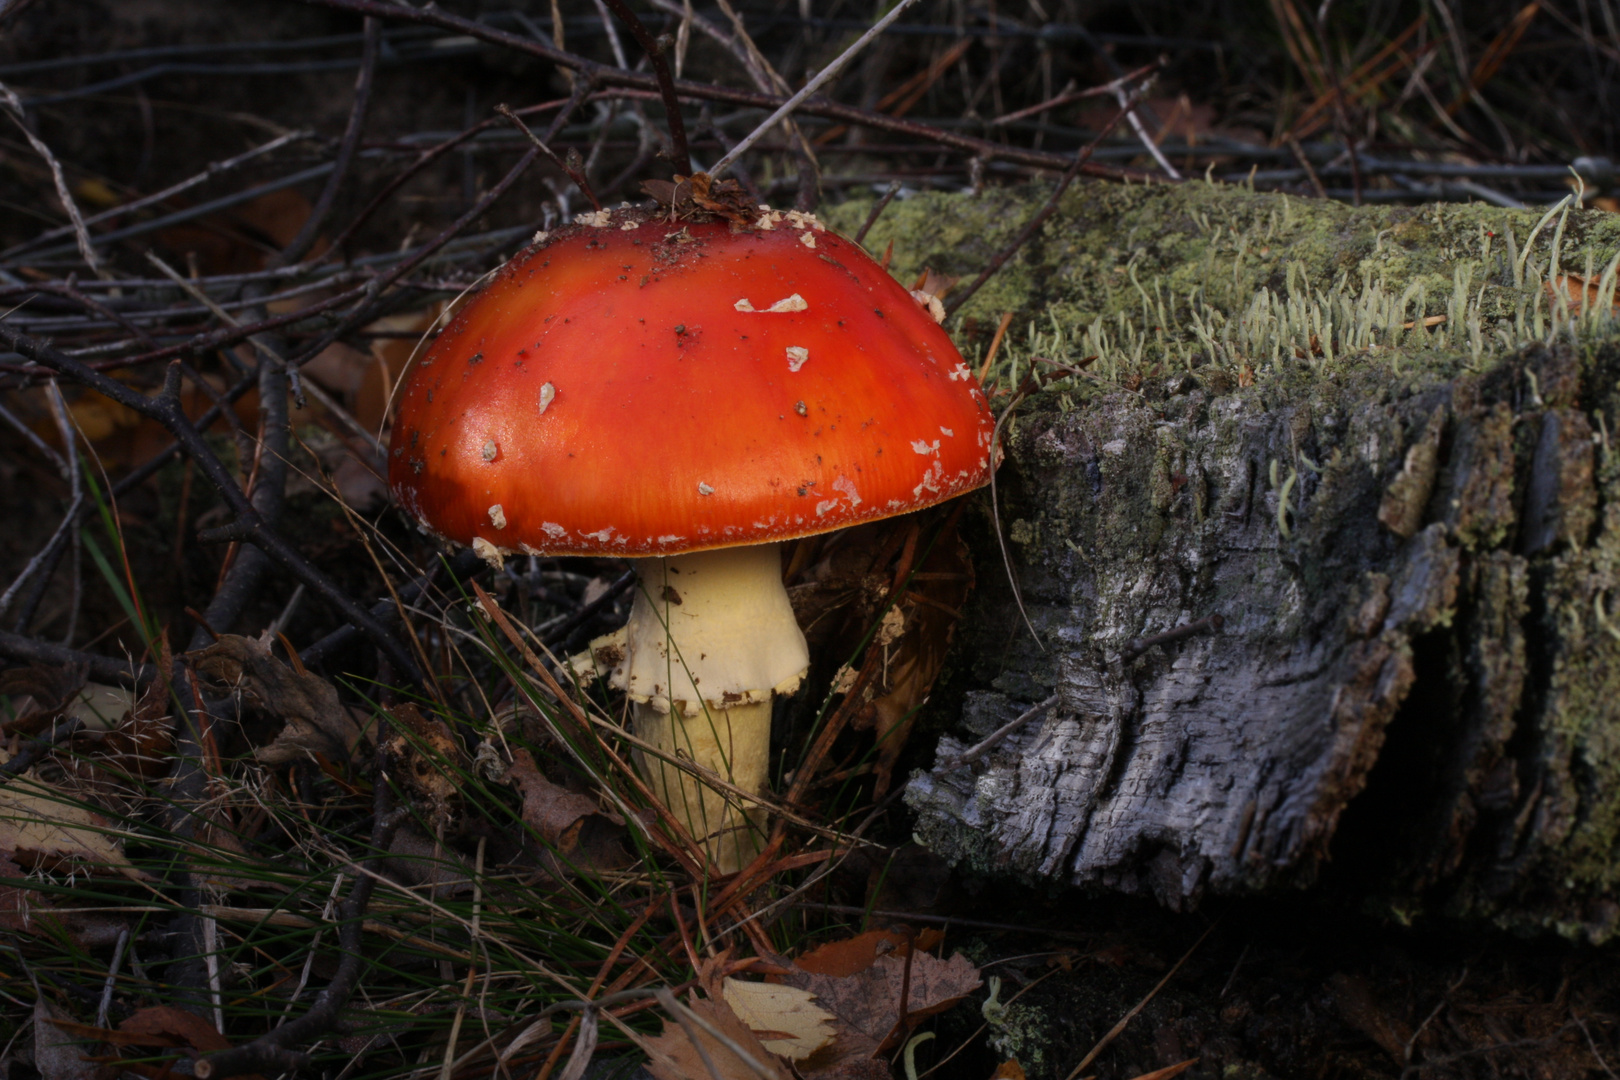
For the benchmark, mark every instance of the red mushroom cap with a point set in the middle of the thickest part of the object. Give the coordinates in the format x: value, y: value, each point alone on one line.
x: 611, y: 391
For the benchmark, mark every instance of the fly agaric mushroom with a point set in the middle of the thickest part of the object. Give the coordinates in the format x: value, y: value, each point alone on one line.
x: 688, y: 394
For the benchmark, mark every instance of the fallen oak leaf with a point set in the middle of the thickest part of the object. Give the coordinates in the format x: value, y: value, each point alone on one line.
x: 164, y: 1026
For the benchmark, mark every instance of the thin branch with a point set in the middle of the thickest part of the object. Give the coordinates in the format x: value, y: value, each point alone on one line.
x: 249, y: 524
x: 822, y: 77
x: 678, y: 152
x: 1034, y: 224
x: 573, y: 171
x: 24, y: 759
x: 877, y: 211
x: 990, y: 742
x: 300, y: 244
x: 269, y: 1053
x: 218, y: 168
x: 990, y: 150
x: 14, y: 106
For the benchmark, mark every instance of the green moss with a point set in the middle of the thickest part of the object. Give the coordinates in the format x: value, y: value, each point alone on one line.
x: 1149, y: 280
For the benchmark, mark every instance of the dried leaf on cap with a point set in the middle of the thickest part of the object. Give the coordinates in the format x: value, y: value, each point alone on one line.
x: 699, y: 193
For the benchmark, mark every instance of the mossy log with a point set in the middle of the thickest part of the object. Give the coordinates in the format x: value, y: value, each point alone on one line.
x: 1375, y: 443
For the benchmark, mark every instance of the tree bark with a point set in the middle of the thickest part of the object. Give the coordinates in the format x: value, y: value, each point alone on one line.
x: 1409, y: 533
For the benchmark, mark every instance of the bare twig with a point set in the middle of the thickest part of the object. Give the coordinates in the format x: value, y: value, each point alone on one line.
x: 821, y: 79
x: 81, y: 234
x: 1034, y: 224
x: 1137, y: 646
x: 249, y: 524
x: 1124, y: 1021
x: 979, y: 749
x: 678, y: 154
x: 34, y: 749
x: 1147, y: 140
x: 215, y: 169
x: 269, y: 1053
x: 300, y: 244
x: 988, y: 149
x: 877, y: 211
x: 105, y: 669
x: 574, y: 172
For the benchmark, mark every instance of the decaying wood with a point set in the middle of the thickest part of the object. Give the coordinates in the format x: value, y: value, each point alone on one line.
x: 1414, y: 551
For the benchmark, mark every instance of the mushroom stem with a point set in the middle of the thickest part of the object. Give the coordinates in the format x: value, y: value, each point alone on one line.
x: 711, y: 637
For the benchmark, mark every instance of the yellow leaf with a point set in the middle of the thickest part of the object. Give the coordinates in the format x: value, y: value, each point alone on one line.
x: 784, y: 1017
x: 42, y: 824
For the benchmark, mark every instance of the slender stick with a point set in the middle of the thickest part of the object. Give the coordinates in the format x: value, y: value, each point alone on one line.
x: 820, y: 80
x: 1000, y: 258
x: 678, y: 152
x: 576, y: 174
x: 87, y: 252
x: 249, y: 524
x: 311, y: 229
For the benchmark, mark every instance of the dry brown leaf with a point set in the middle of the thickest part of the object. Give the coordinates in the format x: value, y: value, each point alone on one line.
x: 58, y: 1054
x: 316, y: 722
x: 867, y: 1004
x: 165, y: 1027
x: 853, y: 955
x: 838, y: 589
x: 784, y: 1018
x: 932, y: 606
x: 141, y: 742
x: 39, y: 693
x: 572, y: 824
x: 43, y: 826
x: 1579, y: 292
x: 673, y: 1056
x: 427, y: 756
x: 25, y: 911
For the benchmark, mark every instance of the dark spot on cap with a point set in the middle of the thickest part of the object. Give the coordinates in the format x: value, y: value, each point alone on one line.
x: 799, y: 407
x: 475, y: 357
